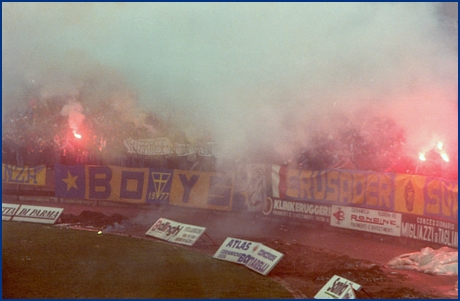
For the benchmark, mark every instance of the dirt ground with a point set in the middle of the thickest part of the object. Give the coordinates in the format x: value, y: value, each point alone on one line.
x: 312, y: 254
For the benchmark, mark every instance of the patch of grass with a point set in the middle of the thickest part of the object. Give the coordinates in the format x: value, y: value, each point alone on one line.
x: 42, y: 261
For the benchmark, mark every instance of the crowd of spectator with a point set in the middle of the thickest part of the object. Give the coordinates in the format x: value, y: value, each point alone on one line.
x: 374, y: 143
x: 40, y: 135
x: 371, y: 145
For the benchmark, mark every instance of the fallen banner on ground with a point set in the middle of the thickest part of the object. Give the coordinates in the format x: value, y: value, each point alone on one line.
x: 253, y: 255
x: 175, y: 232
x: 29, y: 213
x: 232, y: 249
x: 338, y: 288
x: 8, y: 211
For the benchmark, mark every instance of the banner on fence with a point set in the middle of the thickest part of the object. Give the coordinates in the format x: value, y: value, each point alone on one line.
x: 306, y: 211
x: 175, y: 232
x: 183, y: 149
x: 164, y: 146
x: 204, y: 190
x: 207, y: 149
x: 159, y: 186
x: 429, y: 230
x: 250, y: 184
x: 431, y: 197
x: 145, y: 185
x: 24, y: 175
x: 70, y: 181
x: 29, y: 213
x: 441, y: 199
x: 253, y: 255
x: 368, y: 220
x: 334, y: 186
x: 101, y: 183
x: 403, y: 193
x: 151, y: 147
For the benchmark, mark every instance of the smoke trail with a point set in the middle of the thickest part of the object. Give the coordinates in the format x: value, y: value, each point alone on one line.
x: 74, y: 110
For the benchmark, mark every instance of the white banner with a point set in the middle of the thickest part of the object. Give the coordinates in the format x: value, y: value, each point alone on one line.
x: 253, y: 255
x: 250, y: 181
x: 207, y: 149
x: 175, y: 232
x: 232, y: 249
x: 338, y: 288
x: 158, y: 146
x: 275, y: 180
x: 262, y: 259
x: 368, y: 220
x: 28, y: 213
x: 164, y: 146
x: 8, y: 211
x: 183, y: 149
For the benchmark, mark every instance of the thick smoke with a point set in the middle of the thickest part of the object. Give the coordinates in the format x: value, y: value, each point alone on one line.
x: 261, y: 77
x: 74, y: 111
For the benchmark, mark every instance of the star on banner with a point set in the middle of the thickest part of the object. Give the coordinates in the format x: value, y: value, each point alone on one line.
x: 70, y: 181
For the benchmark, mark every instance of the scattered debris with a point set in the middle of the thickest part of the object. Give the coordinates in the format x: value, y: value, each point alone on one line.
x: 443, y: 261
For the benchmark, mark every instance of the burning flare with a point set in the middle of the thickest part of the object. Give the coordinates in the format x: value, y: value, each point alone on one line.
x: 442, y: 153
x: 422, y: 157
x: 440, y: 145
x: 438, y: 150
x: 76, y: 134
x: 445, y: 157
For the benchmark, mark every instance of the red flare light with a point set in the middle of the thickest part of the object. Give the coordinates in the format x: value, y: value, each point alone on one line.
x: 445, y: 157
x: 437, y: 149
x: 76, y: 135
x: 439, y: 145
x: 422, y: 157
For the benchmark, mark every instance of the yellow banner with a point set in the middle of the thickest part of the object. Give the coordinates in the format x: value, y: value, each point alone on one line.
x: 120, y: 184
x: 409, y: 194
x: 441, y: 199
x: 404, y: 193
x: 338, y: 187
x: 201, y: 190
x: 24, y: 175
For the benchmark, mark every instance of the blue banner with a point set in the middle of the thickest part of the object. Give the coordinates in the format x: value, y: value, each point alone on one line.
x: 70, y: 181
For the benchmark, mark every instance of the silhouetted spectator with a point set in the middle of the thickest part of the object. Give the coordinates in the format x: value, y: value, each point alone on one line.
x: 344, y: 160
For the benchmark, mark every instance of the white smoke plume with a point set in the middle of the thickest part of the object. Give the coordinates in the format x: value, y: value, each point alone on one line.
x: 74, y: 111
x: 262, y: 77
